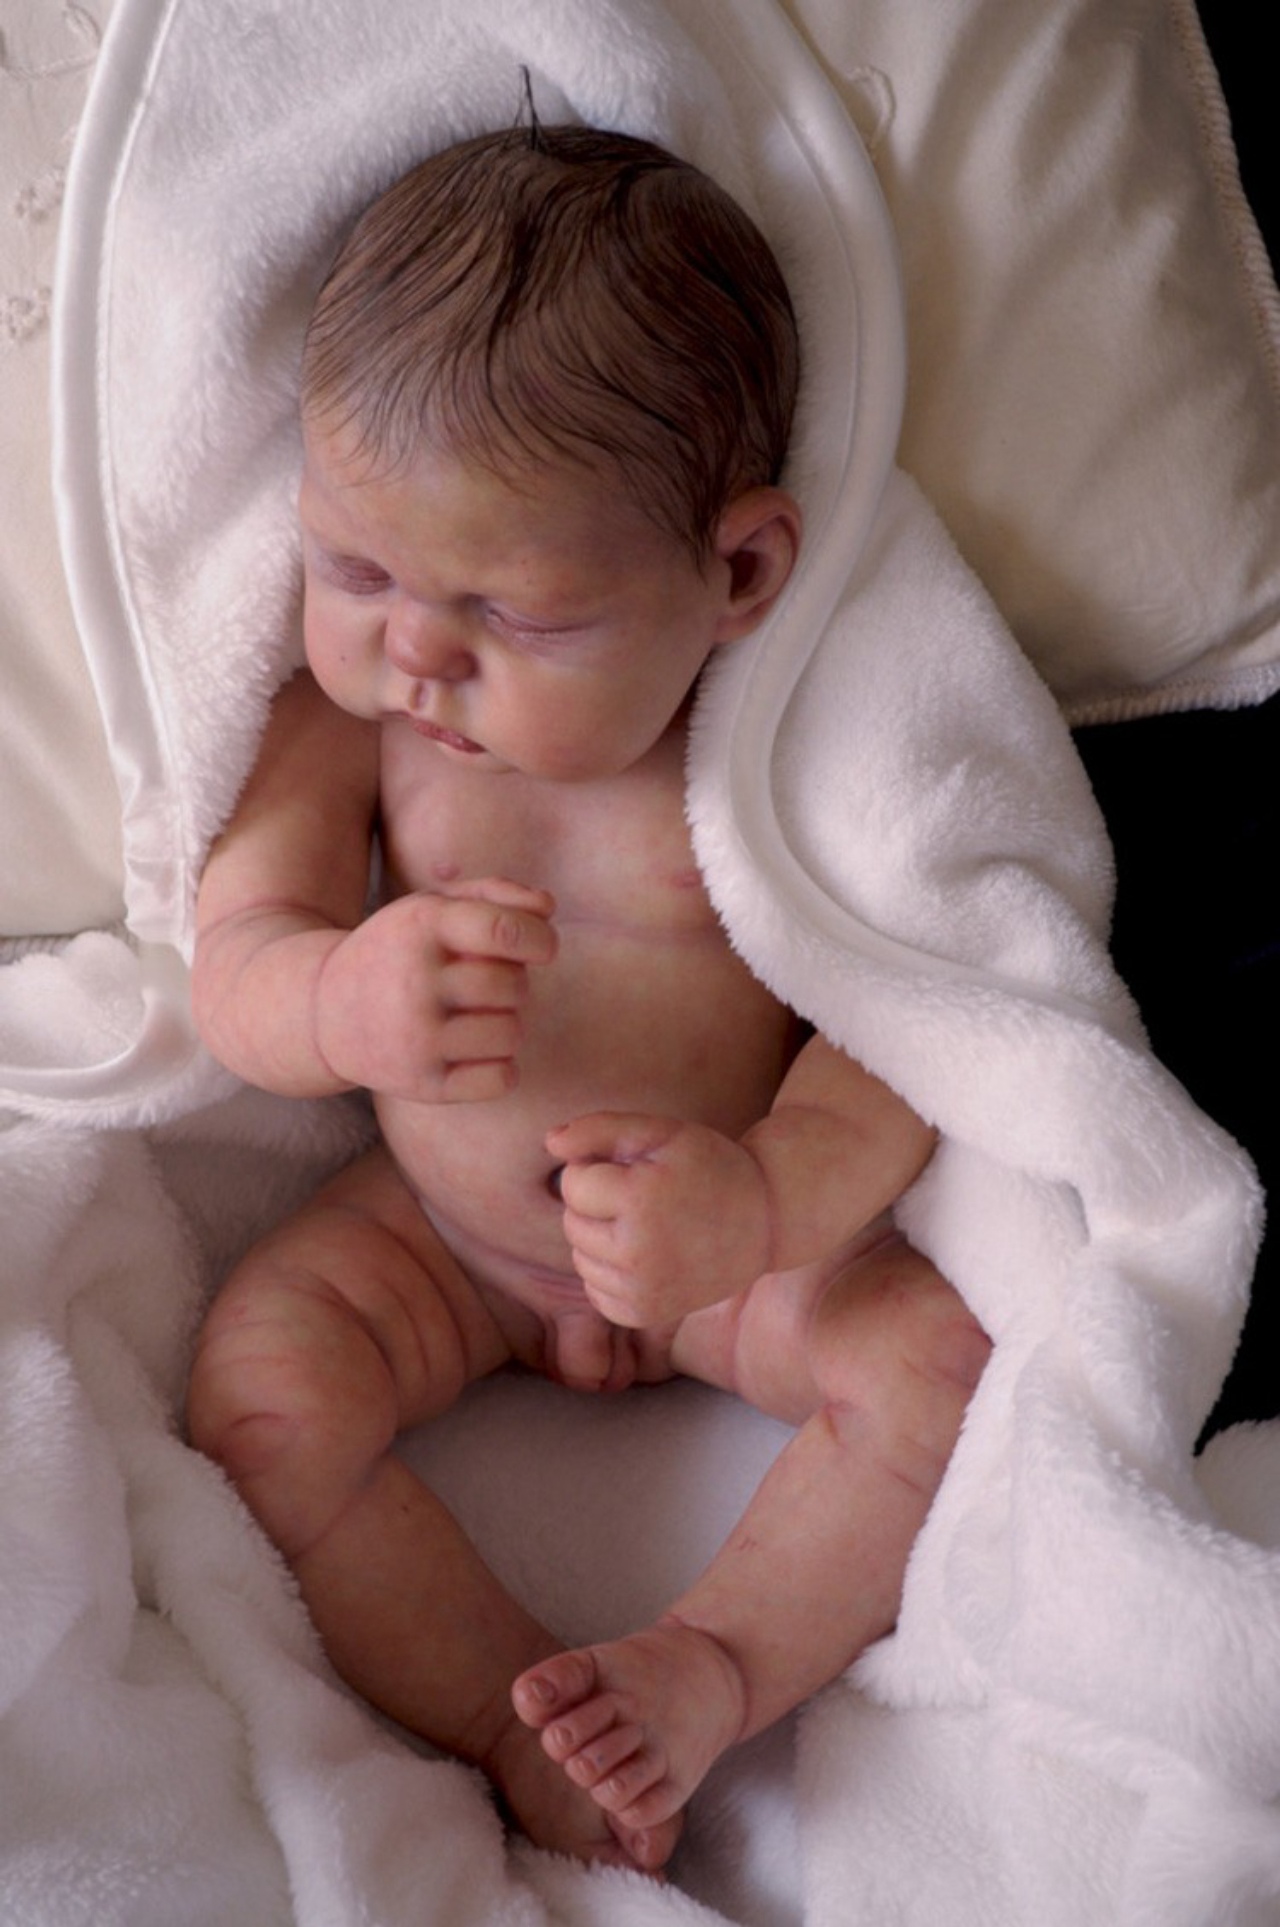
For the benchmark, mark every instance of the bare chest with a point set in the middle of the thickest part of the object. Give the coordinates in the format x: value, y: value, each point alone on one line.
x: 645, y: 1007
x: 616, y: 855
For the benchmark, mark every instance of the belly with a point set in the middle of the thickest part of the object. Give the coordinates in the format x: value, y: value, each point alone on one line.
x: 669, y: 1023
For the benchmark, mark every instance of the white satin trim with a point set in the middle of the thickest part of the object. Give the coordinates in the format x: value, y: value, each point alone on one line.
x: 112, y: 637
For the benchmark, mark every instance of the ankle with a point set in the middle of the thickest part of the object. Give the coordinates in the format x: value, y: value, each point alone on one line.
x: 492, y: 1738
x: 720, y: 1661
x: 493, y: 1733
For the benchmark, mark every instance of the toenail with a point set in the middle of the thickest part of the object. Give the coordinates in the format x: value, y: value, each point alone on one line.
x: 561, y: 1736
x: 540, y: 1689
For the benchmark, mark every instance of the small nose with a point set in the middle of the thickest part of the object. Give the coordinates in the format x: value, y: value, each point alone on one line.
x: 426, y: 643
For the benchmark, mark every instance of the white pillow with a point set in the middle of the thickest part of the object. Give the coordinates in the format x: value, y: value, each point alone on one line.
x: 1094, y: 331
x: 1093, y: 390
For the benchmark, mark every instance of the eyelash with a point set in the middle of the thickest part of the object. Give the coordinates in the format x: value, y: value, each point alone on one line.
x: 525, y: 631
x: 358, y: 578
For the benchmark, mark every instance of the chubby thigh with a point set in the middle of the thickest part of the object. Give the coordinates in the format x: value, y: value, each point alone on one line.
x: 352, y: 1322
x: 342, y: 1327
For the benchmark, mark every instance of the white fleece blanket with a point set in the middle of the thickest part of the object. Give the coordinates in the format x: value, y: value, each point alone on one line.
x: 1078, y: 1719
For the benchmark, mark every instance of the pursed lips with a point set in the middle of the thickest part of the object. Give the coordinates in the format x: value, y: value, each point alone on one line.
x: 435, y: 734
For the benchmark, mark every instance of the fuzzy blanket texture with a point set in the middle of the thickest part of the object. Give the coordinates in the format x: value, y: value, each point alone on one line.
x: 1078, y: 1717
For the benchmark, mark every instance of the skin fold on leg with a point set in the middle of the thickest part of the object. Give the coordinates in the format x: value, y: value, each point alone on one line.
x: 876, y: 1359
x: 348, y: 1325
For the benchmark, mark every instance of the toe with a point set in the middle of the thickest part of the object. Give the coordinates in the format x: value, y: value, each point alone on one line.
x: 619, y: 1791
x: 577, y: 1728
x: 648, y: 1811
x: 648, y: 1847
x: 604, y: 1755
x: 545, y: 1692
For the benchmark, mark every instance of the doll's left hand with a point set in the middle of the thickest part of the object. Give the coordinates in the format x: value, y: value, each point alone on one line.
x: 664, y: 1217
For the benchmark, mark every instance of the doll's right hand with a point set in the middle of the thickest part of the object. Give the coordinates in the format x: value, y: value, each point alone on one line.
x: 422, y: 1000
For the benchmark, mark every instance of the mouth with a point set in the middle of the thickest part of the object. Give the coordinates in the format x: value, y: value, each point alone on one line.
x: 449, y: 737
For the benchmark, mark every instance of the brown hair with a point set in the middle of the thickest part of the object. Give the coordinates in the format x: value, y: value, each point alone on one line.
x: 564, y: 291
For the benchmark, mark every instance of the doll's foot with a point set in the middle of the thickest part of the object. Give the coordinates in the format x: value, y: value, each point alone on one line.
x: 561, y: 1817
x: 638, y: 1723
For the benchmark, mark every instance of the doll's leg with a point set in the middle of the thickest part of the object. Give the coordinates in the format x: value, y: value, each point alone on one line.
x: 875, y: 1357
x: 348, y: 1324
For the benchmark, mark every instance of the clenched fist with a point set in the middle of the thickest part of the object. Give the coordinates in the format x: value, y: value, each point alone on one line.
x: 664, y: 1217
x: 422, y: 1000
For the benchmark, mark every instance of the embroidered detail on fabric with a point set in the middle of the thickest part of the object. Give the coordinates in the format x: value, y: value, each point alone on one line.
x: 872, y: 104
x: 34, y: 203
x: 23, y: 315
x: 86, y: 29
x: 41, y: 197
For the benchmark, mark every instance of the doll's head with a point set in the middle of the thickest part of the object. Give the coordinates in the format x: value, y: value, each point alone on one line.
x: 553, y: 294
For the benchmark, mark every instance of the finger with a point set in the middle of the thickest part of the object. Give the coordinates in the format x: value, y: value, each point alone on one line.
x: 590, y: 1237
x: 476, y: 1083
x: 476, y: 984
x: 470, y: 927
x: 473, y: 1037
x: 595, y: 1191
x: 606, y: 1284
x: 613, y: 1293
x: 622, y: 1137
x: 502, y: 891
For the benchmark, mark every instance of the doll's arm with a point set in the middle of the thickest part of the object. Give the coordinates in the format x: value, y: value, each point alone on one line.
x: 665, y: 1216
x: 836, y: 1149
x: 294, y: 991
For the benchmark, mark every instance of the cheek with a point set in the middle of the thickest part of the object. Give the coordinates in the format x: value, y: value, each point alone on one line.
x: 339, y: 642
x: 566, y: 731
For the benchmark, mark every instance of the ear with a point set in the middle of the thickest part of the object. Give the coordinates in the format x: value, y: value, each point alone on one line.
x: 757, y: 540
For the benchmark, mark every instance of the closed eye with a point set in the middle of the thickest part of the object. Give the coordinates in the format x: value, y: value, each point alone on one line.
x: 355, y: 576
x: 528, y: 628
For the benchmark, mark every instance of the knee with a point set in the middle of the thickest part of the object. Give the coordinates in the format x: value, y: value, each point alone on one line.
x: 937, y: 1353
x: 292, y: 1400
x: 903, y: 1370
x: 940, y: 1339
x: 897, y: 1316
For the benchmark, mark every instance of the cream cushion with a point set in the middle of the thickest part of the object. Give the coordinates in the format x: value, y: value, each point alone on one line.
x: 60, y: 863
x: 1093, y: 332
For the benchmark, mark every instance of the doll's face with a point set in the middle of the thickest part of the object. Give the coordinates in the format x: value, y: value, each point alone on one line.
x: 537, y: 621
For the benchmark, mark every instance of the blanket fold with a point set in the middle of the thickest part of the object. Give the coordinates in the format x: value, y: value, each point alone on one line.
x: 896, y: 834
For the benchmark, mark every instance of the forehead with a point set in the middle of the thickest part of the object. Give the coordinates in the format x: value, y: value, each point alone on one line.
x: 444, y: 502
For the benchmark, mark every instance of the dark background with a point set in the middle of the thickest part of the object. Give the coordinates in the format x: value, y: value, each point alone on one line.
x: 1191, y: 802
